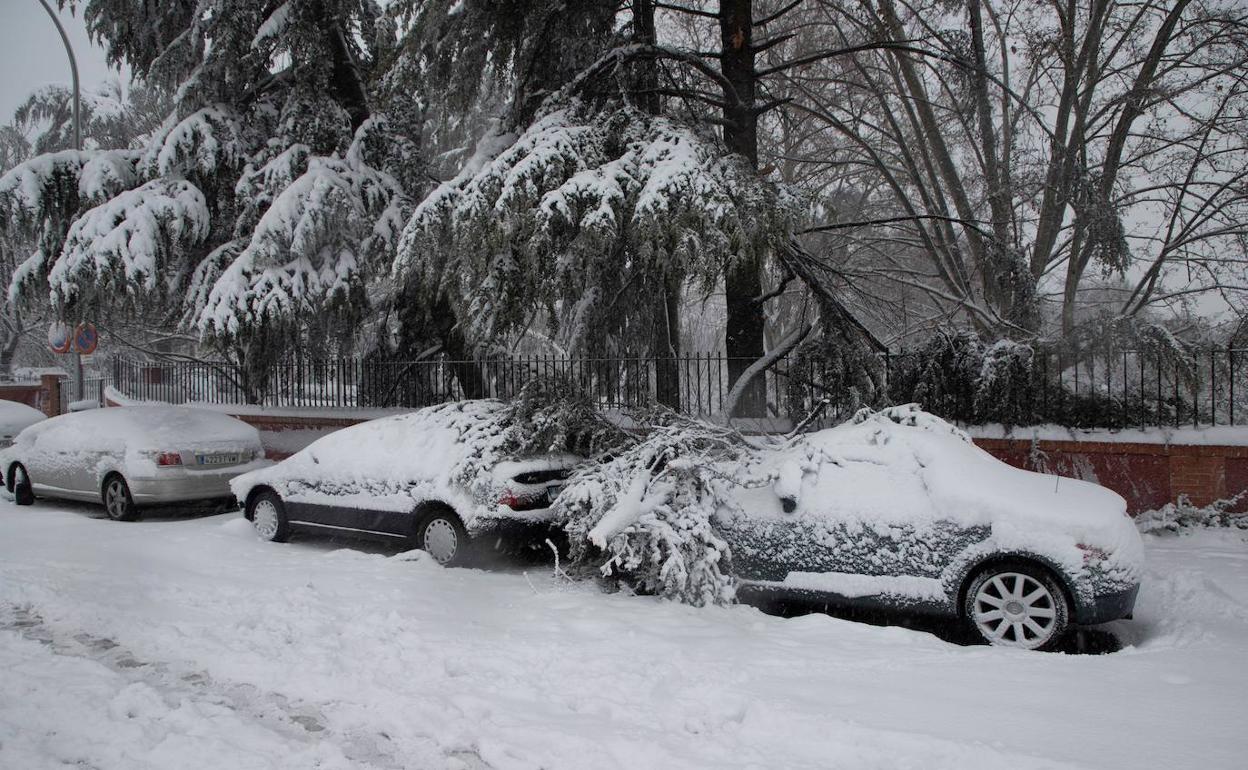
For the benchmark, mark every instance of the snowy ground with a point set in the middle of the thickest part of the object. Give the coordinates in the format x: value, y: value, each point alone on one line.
x: 185, y: 643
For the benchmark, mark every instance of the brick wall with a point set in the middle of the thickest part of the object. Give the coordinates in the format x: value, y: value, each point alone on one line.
x: 1146, y: 475
x: 44, y: 395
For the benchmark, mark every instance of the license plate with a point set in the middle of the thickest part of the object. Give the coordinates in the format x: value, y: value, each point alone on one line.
x: 217, y: 459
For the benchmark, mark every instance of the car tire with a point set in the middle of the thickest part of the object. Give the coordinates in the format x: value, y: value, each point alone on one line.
x: 118, y: 503
x: 1017, y: 604
x: 19, y: 485
x: 442, y: 535
x: 268, y: 516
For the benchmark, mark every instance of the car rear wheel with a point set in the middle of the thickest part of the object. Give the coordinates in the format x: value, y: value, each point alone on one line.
x: 1016, y: 604
x: 442, y: 535
x: 118, y: 503
x: 19, y: 484
x: 268, y: 516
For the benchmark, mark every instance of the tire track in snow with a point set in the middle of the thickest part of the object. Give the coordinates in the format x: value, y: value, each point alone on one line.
x: 292, y: 720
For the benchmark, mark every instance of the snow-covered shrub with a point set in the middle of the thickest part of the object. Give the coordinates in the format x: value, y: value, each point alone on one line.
x: 844, y: 377
x: 941, y: 375
x: 1174, y: 518
x: 647, y: 513
x: 1006, y: 382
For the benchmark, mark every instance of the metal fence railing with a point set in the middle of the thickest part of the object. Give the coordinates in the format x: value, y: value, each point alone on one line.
x: 1123, y: 389
x: 92, y: 392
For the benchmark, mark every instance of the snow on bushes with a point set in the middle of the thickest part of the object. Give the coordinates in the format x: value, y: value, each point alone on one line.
x: 647, y: 513
x: 127, y: 242
x: 328, y: 221
x: 1176, y: 518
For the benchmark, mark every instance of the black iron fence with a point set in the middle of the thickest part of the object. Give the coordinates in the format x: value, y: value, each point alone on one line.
x: 1123, y: 389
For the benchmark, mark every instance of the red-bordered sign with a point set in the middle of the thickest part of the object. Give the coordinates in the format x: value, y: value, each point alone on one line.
x: 60, y: 337
x: 86, y: 338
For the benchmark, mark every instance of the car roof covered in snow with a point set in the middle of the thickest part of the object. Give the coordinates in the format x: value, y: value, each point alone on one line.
x: 139, y: 428
x: 14, y: 416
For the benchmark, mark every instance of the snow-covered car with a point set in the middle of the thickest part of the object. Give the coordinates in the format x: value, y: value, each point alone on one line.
x: 130, y: 457
x: 14, y: 418
x: 902, y: 511
x: 436, y: 479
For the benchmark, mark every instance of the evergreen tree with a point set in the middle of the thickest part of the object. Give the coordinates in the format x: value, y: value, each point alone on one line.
x: 272, y: 190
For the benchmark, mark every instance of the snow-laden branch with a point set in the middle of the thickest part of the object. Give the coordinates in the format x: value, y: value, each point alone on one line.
x: 322, y: 229
x: 127, y: 241
x: 580, y: 196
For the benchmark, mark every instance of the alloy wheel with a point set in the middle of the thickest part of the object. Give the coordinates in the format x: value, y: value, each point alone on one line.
x: 116, y: 500
x: 1015, y: 610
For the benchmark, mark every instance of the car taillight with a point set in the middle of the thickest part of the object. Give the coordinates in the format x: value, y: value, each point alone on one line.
x: 523, y: 502
x: 169, y: 458
x: 509, y: 499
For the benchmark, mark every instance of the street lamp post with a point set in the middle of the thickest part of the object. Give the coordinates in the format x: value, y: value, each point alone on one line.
x: 73, y: 69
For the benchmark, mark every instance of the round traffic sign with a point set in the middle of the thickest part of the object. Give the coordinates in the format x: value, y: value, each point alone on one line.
x: 60, y: 337
x: 86, y: 338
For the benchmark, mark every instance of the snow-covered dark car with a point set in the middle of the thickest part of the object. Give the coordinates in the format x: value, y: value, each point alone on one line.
x: 902, y: 511
x: 430, y: 478
x: 130, y: 457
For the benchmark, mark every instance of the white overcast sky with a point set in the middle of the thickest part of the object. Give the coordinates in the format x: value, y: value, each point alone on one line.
x: 31, y: 53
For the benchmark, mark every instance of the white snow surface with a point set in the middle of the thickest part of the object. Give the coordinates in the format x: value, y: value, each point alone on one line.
x: 15, y: 416
x: 189, y: 643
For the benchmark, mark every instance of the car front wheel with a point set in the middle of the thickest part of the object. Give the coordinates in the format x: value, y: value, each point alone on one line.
x: 268, y: 516
x: 1016, y: 604
x: 118, y: 503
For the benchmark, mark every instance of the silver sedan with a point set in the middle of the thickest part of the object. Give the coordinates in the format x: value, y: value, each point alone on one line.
x: 130, y: 457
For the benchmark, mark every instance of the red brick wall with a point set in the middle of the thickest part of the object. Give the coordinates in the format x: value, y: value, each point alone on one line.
x: 1146, y: 475
x: 44, y: 395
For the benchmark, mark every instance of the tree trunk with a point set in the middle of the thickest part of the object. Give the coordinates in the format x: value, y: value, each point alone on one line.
x: 665, y: 344
x: 743, y: 337
x: 345, y: 80
x: 665, y: 319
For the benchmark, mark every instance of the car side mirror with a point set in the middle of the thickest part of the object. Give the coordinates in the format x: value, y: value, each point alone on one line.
x: 788, y: 503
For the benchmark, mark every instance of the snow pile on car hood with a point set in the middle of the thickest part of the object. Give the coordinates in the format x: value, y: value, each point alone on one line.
x: 905, y: 467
